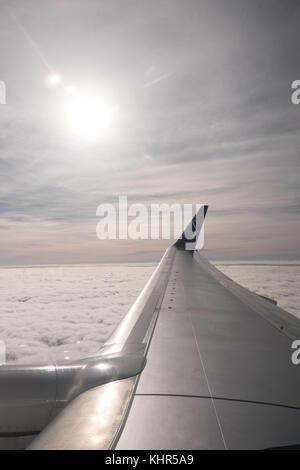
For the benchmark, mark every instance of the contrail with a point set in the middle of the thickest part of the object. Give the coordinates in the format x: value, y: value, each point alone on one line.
x: 157, y: 80
x: 30, y: 40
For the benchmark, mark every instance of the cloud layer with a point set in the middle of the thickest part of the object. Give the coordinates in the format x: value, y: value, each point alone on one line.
x: 61, y: 313
x: 64, y: 312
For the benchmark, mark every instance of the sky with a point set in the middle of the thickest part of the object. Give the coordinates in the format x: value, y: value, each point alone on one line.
x: 201, y: 91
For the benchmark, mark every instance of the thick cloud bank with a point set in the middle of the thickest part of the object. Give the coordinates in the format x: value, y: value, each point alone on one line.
x: 65, y: 312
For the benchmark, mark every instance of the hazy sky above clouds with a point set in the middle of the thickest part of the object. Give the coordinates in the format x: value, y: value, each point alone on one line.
x: 203, y: 92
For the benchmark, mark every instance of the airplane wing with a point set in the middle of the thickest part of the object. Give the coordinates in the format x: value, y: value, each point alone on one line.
x: 199, y: 362
x: 203, y: 364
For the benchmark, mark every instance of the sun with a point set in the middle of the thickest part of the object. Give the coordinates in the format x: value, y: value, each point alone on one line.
x: 90, y: 117
x: 54, y: 80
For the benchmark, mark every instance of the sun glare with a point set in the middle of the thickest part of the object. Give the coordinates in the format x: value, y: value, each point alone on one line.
x: 90, y: 117
x: 54, y: 80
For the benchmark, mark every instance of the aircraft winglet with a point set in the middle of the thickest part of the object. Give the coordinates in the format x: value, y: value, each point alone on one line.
x: 192, y: 237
